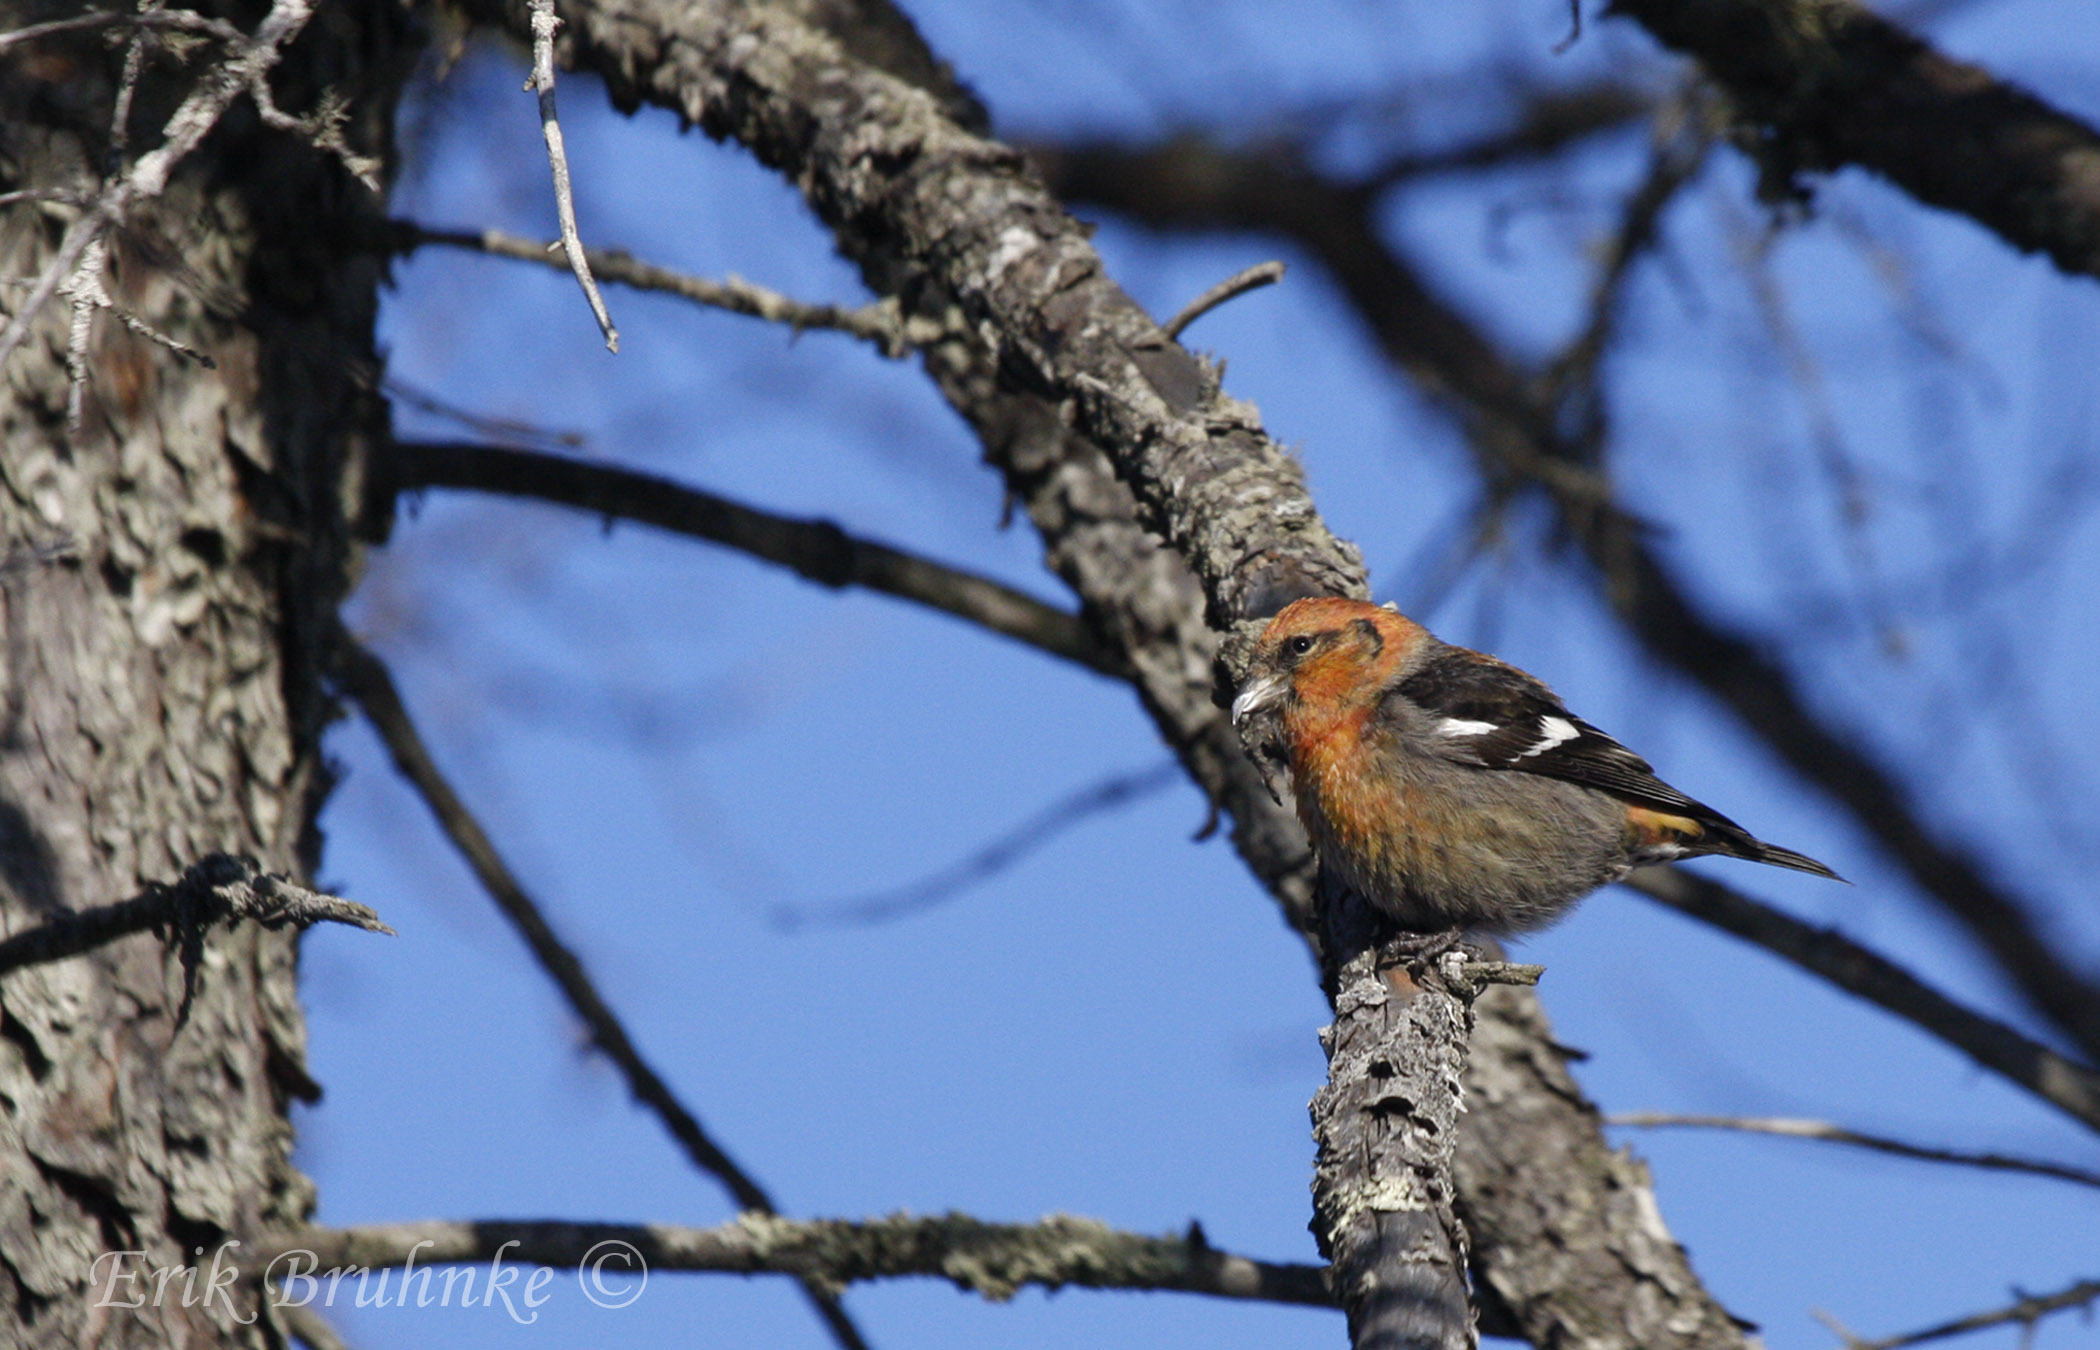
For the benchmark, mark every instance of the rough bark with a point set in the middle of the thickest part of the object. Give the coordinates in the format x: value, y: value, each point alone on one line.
x: 1112, y: 438
x: 162, y: 698
x: 1566, y: 1233
x: 1387, y: 1126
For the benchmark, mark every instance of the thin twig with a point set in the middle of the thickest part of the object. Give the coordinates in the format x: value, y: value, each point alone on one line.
x: 544, y: 24
x: 1038, y: 830
x: 85, y: 289
x: 1684, y: 132
x: 367, y: 681
x: 127, y: 90
x: 185, y: 129
x: 219, y: 887
x: 68, y: 196
x: 1837, y: 1134
x: 816, y: 549
x: 2026, y: 1311
x: 509, y: 428
x: 1231, y: 288
x: 883, y: 323
x: 187, y: 21
x: 992, y: 1259
x: 2071, y: 1087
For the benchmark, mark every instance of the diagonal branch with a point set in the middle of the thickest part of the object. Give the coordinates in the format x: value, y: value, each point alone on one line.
x: 2071, y: 1087
x: 1195, y: 184
x: 1060, y: 374
x: 1016, y: 843
x: 816, y: 549
x: 368, y: 682
x: 2023, y: 1312
x: 994, y: 1260
x: 1830, y: 83
x: 910, y: 194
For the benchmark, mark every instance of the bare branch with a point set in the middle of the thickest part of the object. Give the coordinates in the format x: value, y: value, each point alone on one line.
x: 2025, y: 1312
x: 509, y: 428
x: 84, y: 288
x: 1837, y: 1134
x: 1231, y: 288
x: 992, y: 1259
x: 213, y: 889
x: 1684, y: 132
x: 988, y: 861
x: 187, y: 21
x: 1549, y: 121
x: 953, y: 221
x: 1831, y: 83
x: 368, y: 682
x: 1198, y: 184
x: 911, y: 195
x: 816, y: 549
x: 2071, y: 1087
x: 882, y: 323
x: 323, y: 129
x: 128, y: 88
x: 544, y: 24
x: 186, y: 127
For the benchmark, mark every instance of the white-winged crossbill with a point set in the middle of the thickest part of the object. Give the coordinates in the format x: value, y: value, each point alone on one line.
x: 1451, y: 790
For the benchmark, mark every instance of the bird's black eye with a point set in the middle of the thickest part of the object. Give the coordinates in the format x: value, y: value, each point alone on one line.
x: 1299, y: 645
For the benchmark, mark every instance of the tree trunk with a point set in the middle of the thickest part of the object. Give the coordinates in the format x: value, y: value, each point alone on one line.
x: 162, y: 677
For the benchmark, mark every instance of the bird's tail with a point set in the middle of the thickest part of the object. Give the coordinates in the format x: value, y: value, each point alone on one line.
x: 1757, y: 850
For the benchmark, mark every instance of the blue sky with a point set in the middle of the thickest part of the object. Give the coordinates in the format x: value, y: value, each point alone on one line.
x: 668, y: 741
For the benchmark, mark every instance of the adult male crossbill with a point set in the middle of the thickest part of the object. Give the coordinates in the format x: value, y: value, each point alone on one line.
x: 1453, y: 791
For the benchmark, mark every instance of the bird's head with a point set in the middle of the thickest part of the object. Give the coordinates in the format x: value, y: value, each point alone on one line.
x: 1327, y: 652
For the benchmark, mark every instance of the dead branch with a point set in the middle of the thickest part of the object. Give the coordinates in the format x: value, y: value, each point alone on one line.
x: 954, y: 222
x: 183, y: 20
x: 995, y: 857
x: 544, y: 24
x: 2071, y: 1087
x: 247, y: 67
x: 216, y: 889
x: 1826, y: 1132
x: 994, y: 1260
x: 1827, y: 83
x: 882, y: 323
x: 816, y: 549
x: 1231, y: 288
x: 2024, y: 1312
x: 1386, y: 1122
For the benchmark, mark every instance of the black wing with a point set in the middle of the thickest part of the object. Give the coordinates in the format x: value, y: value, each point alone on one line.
x: 1494, y: 716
